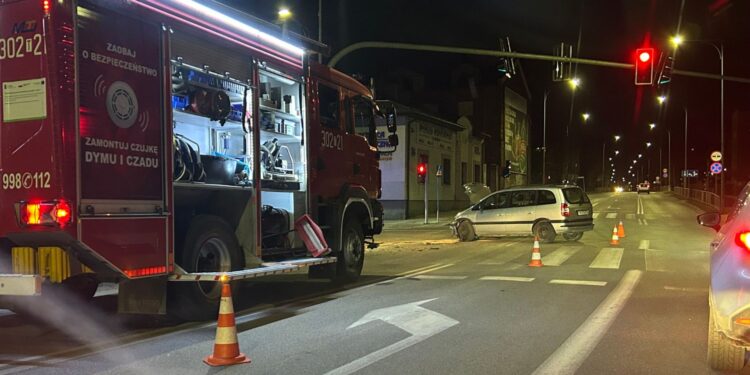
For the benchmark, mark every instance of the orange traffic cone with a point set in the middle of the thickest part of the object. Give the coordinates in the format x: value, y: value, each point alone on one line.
x: 620, y: 230
x: 615, y: 238
x: 536, y: 255
x: 226, y: 348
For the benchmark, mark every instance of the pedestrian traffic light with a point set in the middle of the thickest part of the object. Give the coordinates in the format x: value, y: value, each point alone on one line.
x: 644, y: 66
x: 665, y: 70
x: 421, y: 172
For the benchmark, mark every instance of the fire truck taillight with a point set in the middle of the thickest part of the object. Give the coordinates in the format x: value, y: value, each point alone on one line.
x: 50, y: 213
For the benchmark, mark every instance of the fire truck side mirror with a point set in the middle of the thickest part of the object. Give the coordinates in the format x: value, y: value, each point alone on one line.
x: 393, y: 140
x: 390, y: 118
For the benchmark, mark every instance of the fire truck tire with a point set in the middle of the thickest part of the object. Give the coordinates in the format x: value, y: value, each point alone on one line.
x: 351, y: 256
x: 210, y: 246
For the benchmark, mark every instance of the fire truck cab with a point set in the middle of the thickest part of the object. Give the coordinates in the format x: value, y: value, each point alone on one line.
x: 165, y: 145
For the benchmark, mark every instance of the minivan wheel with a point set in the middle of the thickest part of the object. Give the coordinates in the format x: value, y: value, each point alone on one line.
x: 544, y: 231
x: 722, y: 354
x: 572, y: 236
x: 466, y: 231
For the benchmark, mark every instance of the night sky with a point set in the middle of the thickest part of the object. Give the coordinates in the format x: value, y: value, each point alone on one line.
x: 608, y: 30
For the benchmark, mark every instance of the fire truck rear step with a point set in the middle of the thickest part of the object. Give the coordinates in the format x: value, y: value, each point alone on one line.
x: 266, y: 269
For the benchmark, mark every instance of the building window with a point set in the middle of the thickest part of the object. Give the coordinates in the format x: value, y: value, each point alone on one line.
x: 464, y: 173
x: 477, y: 173
x: 329, y: 106
x: 446, y: 171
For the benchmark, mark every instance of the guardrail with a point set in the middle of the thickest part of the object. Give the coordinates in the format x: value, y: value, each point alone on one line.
x: 705, y: 197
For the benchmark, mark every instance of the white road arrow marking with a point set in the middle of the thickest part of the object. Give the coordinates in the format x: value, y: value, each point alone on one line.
x: 418, y: 321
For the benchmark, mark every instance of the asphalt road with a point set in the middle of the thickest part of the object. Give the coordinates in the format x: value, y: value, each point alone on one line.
x: 429, y: 304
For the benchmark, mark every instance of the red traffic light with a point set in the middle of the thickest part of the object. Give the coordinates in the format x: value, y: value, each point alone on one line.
x: 421, y: 172
x: 644, y: 56
x: 644, y: 66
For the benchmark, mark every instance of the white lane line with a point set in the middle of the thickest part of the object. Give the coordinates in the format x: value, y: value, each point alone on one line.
x: 560, y: 255
x: 680, y: 289
x: 570, y: 355
x: 408, y: 274
x: 609, y: 257
x: 578, y: 282
x: 644, y: 245
x: 595, y: 215
x: 439, y: 277
x: 630, y: 216
x: 508, y: 278
x: 612, y: 215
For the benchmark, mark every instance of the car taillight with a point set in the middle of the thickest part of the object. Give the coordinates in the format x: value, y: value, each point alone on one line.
x: 564, y: 209
x: 743, y: 240
x: 50, y: 213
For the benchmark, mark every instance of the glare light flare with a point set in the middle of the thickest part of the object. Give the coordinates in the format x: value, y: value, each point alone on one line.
x: 236, y: 24
x: 677, y: 40
x: 574, y: 83
x: 661, y: 99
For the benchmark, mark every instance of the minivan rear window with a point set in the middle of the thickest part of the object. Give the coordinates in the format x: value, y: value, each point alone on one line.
x: 575, y: 196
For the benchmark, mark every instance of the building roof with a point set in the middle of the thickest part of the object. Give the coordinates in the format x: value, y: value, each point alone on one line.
x: 417, y: 114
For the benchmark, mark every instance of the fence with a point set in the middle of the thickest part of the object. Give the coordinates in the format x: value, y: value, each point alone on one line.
x: 705, y: 197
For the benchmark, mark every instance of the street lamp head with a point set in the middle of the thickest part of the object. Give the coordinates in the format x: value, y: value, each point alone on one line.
x: 648, y: 144
x: 640, y: 156
x: 585, y: 116
x: 651, y: 126
x: 617, y: 152
x: 661, y: 99
x: 617, y: 138
x: 677, y: 40
x: 284, y: 13
x: 574, y: 83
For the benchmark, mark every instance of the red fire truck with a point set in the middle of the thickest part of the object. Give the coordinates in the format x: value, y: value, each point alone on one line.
x: 162, y: 144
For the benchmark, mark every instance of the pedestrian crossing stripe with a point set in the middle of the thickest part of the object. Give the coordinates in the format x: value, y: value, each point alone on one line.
x: 560, y: 255
x: 608, y: 257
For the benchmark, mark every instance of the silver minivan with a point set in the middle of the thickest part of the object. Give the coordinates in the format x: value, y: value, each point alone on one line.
x: 544, y: 211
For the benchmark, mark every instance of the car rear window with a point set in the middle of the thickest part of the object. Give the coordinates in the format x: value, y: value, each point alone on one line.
x: 575, y: 196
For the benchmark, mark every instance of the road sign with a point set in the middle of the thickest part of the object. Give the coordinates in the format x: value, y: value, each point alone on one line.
x: 690, y: 173
x: 716, y: 168
x: 716, y: 156
x: 439, y: 171
x: 665, y: 170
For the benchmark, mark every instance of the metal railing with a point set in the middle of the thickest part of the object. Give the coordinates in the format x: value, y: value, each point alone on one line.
x: 702, y: 196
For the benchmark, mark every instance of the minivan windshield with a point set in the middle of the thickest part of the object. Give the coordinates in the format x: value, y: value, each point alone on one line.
x: 575, y: 196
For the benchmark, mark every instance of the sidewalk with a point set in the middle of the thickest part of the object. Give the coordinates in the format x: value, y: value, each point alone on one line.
x: 418, y: 223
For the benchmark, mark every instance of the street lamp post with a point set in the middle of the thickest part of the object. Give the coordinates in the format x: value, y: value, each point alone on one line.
x: 573, y: 85
x: 720, y: 50
x: 685, y: 177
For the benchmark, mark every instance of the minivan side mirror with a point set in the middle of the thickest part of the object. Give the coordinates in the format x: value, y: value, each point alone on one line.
x: 710, y: 219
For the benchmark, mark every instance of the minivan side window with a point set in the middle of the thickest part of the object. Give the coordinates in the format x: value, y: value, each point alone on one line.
x: 494, y: 201
x: 523, y: 198
x: 545, y: 197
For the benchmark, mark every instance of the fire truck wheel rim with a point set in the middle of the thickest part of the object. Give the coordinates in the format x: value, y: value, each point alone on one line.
x: 354, y: 247
x: 213, y: 257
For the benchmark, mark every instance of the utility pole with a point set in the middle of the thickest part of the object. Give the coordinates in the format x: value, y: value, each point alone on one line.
x: 320, y: 28
x: 685, y: 177
x: 604, y: 147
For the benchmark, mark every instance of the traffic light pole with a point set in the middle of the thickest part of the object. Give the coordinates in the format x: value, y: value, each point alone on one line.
x: 426, y: 202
